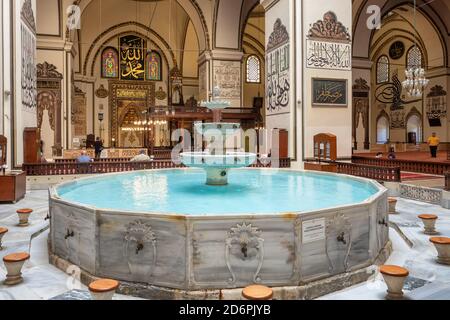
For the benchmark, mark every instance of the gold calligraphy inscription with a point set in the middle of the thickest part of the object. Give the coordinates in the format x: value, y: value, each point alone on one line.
x: 129, y: 93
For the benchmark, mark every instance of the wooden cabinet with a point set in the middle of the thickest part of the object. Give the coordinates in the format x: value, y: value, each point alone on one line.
x: 12, y: 186
x: 31, y: 145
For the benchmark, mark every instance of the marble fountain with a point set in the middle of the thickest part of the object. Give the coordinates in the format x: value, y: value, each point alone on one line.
x: 166, y: 234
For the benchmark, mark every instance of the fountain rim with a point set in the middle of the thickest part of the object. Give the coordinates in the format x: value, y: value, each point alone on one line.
x: 55, y: 197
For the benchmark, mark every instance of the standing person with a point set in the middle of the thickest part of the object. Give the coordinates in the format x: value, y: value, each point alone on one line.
x: 98, y: 146
x: 434, y: 142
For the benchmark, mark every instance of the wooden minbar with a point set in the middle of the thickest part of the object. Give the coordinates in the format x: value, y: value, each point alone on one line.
x: 325, y: 153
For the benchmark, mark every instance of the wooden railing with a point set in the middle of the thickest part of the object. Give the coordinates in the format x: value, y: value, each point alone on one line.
x: 437, y: 168
x: 73, y: 168
x: 388, y: 174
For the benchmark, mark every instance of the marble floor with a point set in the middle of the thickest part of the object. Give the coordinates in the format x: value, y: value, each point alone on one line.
x: 412, y: 249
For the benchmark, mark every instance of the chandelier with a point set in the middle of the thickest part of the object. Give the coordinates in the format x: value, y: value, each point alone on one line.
x: 415, y: 82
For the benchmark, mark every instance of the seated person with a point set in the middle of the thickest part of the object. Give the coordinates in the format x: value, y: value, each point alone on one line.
x: 84, y: 157
x: 391, y: 155
x: 141, y: 157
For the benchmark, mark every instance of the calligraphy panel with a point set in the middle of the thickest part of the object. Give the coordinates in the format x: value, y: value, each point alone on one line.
x: 328, y: 55
x: 29, y: 74
x: 329, y: 92
x: 278, y: 90
x: 132, y: 58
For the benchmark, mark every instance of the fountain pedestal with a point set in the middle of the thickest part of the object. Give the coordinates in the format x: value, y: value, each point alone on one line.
x: 218, y: 164
x: 216, y: 176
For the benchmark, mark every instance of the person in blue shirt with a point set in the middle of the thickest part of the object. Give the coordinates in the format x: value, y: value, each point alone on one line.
x: 84, y: 158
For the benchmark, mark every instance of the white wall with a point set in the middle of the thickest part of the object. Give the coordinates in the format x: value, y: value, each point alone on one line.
x: 334, y: 120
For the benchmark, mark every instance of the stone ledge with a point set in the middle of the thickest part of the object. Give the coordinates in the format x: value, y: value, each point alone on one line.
x: 308, y: 291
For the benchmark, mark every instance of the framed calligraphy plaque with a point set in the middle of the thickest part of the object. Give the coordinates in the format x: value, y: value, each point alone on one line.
x: 132, y: 58
x: 329, y: 92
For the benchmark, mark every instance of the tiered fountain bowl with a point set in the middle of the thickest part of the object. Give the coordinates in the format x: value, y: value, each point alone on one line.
x: 216, y: 165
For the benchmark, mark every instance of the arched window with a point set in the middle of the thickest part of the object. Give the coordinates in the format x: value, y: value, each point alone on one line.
x: 414, y: 57
x: 383, y: 70
x: 382, y: 129
x: 154, y: 67
x: 110, y: 63
x: 253, y: 69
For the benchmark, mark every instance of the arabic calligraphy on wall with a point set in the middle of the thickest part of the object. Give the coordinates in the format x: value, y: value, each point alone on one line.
x: 132, y: 58
x: 227, y: 75
x: 278, y: 71
x: 328, y: 55
x: 329, y: 92
x: 29, y: 75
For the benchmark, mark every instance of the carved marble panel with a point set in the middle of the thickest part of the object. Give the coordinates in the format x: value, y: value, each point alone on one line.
x: 423, y: 194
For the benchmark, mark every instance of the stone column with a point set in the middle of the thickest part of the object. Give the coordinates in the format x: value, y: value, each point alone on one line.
x: 361, y: 104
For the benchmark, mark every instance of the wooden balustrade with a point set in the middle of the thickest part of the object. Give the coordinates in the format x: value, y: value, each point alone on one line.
x: 436, y: 168
x: 99, y: 167
x: 389, y: 174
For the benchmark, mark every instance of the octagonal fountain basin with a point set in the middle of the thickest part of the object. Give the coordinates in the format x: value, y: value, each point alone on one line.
x: 167, y: 229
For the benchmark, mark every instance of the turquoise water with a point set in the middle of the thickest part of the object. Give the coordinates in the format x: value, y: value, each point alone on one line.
x: 248, y: 192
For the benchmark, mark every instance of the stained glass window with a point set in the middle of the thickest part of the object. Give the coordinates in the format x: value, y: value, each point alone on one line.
x: 414, y: 58
x: 154, y: 68
x: 253, y: 69
x: 383, y: 69
x: 110, y: 63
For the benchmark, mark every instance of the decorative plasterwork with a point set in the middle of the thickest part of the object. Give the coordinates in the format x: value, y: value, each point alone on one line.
x: 27, y: 15
x: 329, y: 28
x: 278, y: 37
x: 361, y: 85
x: 101, y: 92
x: 47, y: 71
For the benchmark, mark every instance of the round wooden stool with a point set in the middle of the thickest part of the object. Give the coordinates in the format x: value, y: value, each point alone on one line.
x: 429, y: 221
x: 3, y: 231
x: 392, y: 205
x: 14, y: 263
x: 395, y: 277
x: 442, y: 245
x: 24, y: 215
x: 103, y: 289
x: 257, y: 292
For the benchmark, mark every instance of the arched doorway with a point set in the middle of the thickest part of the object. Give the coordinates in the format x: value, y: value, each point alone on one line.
x: 383, y: 129
x: 414, y: 128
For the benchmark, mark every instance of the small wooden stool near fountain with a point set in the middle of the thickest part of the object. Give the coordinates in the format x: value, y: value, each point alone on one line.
x: 257, y: 292
x: 395, y: 277
x: 442, y: 245
x: 3, y: 231
x: 392, y: 205
x: 429, y: 221
x: 14, y: 263
x: 103, y: 289
x: 24, y: 215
